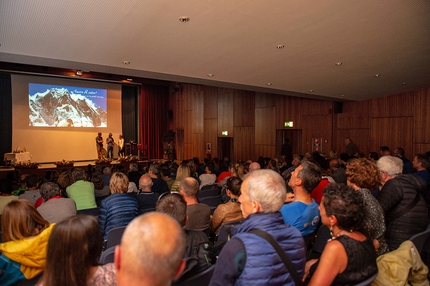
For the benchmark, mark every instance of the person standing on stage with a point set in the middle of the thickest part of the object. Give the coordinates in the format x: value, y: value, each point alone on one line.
x: 121, y: 146
x: 99, y: 144
x: 110, y: 143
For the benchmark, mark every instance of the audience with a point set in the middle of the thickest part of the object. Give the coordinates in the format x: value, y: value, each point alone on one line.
x: 81, y: 191
x: 182, y: 172
x: 248, y: 259
x: 363, y: 175
x: 159, y: 185
x: 119, y: 208
x: 6, y: 196
x: 151, y: 251
x: 54, y: 207
x: 400, y: 193
x: 74, y: 247
x: 198, y: 214
x: 134, y: 174
x: 165, y: 175
x: 25, y: 237
x: 100, y: 189
x: 229, y: 211
x: 208, y: 178
x: 349, y: 257
x: 303, y: 213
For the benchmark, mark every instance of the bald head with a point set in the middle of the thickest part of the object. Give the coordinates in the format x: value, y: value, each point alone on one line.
x: 151, y: 251
x: 145, y: 183
x: 254, y: 166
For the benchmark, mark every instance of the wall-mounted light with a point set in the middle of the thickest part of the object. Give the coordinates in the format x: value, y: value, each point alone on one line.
x: 224, y: 133
x: 288, y: 124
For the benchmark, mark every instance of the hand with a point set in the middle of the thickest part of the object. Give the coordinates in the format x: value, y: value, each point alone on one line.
x: 308, y: 268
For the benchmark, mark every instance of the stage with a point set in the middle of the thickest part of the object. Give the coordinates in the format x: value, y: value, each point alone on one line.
x: 51, y: 166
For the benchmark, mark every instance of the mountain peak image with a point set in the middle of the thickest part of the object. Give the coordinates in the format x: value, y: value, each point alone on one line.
x: 58, y: 107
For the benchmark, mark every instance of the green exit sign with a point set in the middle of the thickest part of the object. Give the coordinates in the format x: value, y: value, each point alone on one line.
x: 288, y: 124
x: 224, y: 133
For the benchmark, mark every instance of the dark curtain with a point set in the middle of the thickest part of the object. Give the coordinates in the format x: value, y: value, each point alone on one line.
x: 129, y: 112
x: 5, y: 114
x: 153, y: 118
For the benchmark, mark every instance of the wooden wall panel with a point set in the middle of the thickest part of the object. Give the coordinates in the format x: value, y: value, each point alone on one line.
x: 265, y: 151
x: 188, y: 150
x: 243, y: 108
x: 210, y: 102
x: 265, y: 132
x: 398, y: 105
x: 422, y: 116
x: 225, y: 113
x: 392, y: 132
x: 199, y: 146
x: 197, y: 104
x: 244, y: 146
x: 317, y: 126
x: 288, y: 109
x: 360, y: 137
x: 418, y: 149
x: 313, y: 107
x: 211, y: 130
x: 263, y: 100
x: 355, y: 115
x: 188, y: 128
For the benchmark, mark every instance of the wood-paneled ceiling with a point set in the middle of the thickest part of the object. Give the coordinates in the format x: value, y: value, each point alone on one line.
x: 235, y: 41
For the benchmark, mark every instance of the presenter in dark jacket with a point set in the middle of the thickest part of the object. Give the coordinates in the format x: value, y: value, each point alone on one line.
x: 248, y: 259
x: 120, y: 208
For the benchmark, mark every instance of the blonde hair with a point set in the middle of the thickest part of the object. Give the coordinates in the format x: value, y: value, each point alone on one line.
x: 118, y: 183
x: 183, y: 172
x: 20, y: 220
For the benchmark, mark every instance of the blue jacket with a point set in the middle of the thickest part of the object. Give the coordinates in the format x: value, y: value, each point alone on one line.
x: 263, y: 265
x: 117, y: 210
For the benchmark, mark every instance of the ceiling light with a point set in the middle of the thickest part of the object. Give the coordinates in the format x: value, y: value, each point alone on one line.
x: 311, y: 90
x: 343, y: 95
x: 184, y: 19
x: 126, y: 63
x: 280, y: 46
x: 269, y: 83
x: 403, y: 83
x: 377, y: 75
x: 79, y: 72
x: 210, y: 74
x: 338, y: 63
x: 130, y: 79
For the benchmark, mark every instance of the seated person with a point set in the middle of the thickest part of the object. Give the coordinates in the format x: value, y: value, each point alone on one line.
x: 197, y: 251
x: 100, y: 189
x: 349, y: 257
x: 208, y: 178
x: 229, y: 211
x: 6, y: 189
x: 54, y: 207
x: 198, y: 214
x: 25, y: 236
x: 81, y: 191
x: 303, y: 213
x: 182, y: 172
x: 76, y: 244
x: 158, y: 185
x: 248, y: 259
x: 32, y: 193
x: 147, y: 199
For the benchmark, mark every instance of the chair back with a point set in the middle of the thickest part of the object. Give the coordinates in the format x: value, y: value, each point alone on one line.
x: 212, y: 202
x: 208, y: 191
x: 323, y: 234
x: 200, y: 279
x: 224, y: 231
x: 107, y: 256
x: 114, y: 236
x: 94, y: 212
x: 368, y: 281
x: 421, y: 238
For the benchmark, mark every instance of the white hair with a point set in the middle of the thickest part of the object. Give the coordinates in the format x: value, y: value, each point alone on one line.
x: 268, y: 188
x: 391, y: 165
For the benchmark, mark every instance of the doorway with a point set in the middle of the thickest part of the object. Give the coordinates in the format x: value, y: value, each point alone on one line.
x: 294, y: 137
x: 225, y: 148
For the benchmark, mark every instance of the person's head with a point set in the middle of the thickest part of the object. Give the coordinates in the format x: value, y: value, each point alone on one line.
x: 254, y: 166
x: 154, y: 170
x: 210, y: 168
x: 98, y: 182
x: 73, y: 248
x: 307, y: 176
x: 342, y: 206
x: 165, y: 171
x: 48, y: 190
x: 189, y: 187
x: 145, y: 183
x: 99, y: 134
x: 363, y: 173
x: 20, y: 219
x: 151, y: 251
x: 33, y: 181
x: 118, y: 183
x: 182, y: 172
x: 174, y: 205
x: 373, y: 156
x: 78, y: 174
x: 420, y: 162
x: 6, y: 187
x: 133, y: 167
x: 297, y: 159
x: 399, y: 151
x: 65, y: 179
x: 347, y: 140
x: 110, y: 134
x: 107, y: 170
x: 233, y: 185
x: 120, y: 136
x: 334, y: 164
x: 389, y: 167
x: 384, y: 151
x: 262, y: 191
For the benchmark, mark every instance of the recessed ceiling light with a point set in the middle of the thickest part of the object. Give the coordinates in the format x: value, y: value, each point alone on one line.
x: 210, y: 74
x: 403, y: 83
x: 377, y: 75
x: 269, y: 83
x: 343, y: 95
x: 126, y: 62
x: 280, y: 46
x: 184, y: 19
x: 311, y: 90
x: 338, y: 63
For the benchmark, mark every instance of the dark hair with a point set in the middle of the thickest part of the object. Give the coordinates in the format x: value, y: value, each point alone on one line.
x: 345, y: 204
x: 424, y: 159
x: 211, y: 167
x: 400, y: 151
x: 73, y: 248
x: 374, y: 156
x: 384, y: 148
x: 6, y: 186
x: 174, y: 205
x: 78, y: 174
x: 310, y: 175
x: 32, y: 180
x: 164, y: 170
x: 233, y: 185
x: 98, y: 182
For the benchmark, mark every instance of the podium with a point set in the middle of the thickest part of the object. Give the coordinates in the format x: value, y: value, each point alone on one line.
x: 17, y: 157
x: 130, y: 149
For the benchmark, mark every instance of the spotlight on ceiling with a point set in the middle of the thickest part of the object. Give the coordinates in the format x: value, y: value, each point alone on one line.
x: 79, y: 72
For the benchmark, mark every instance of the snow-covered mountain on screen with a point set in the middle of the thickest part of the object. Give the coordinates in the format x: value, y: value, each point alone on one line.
x: 58, y: 108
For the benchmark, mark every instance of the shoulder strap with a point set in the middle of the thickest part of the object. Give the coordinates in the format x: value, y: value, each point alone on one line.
x: 406, y: 209
x: 291, y: 269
